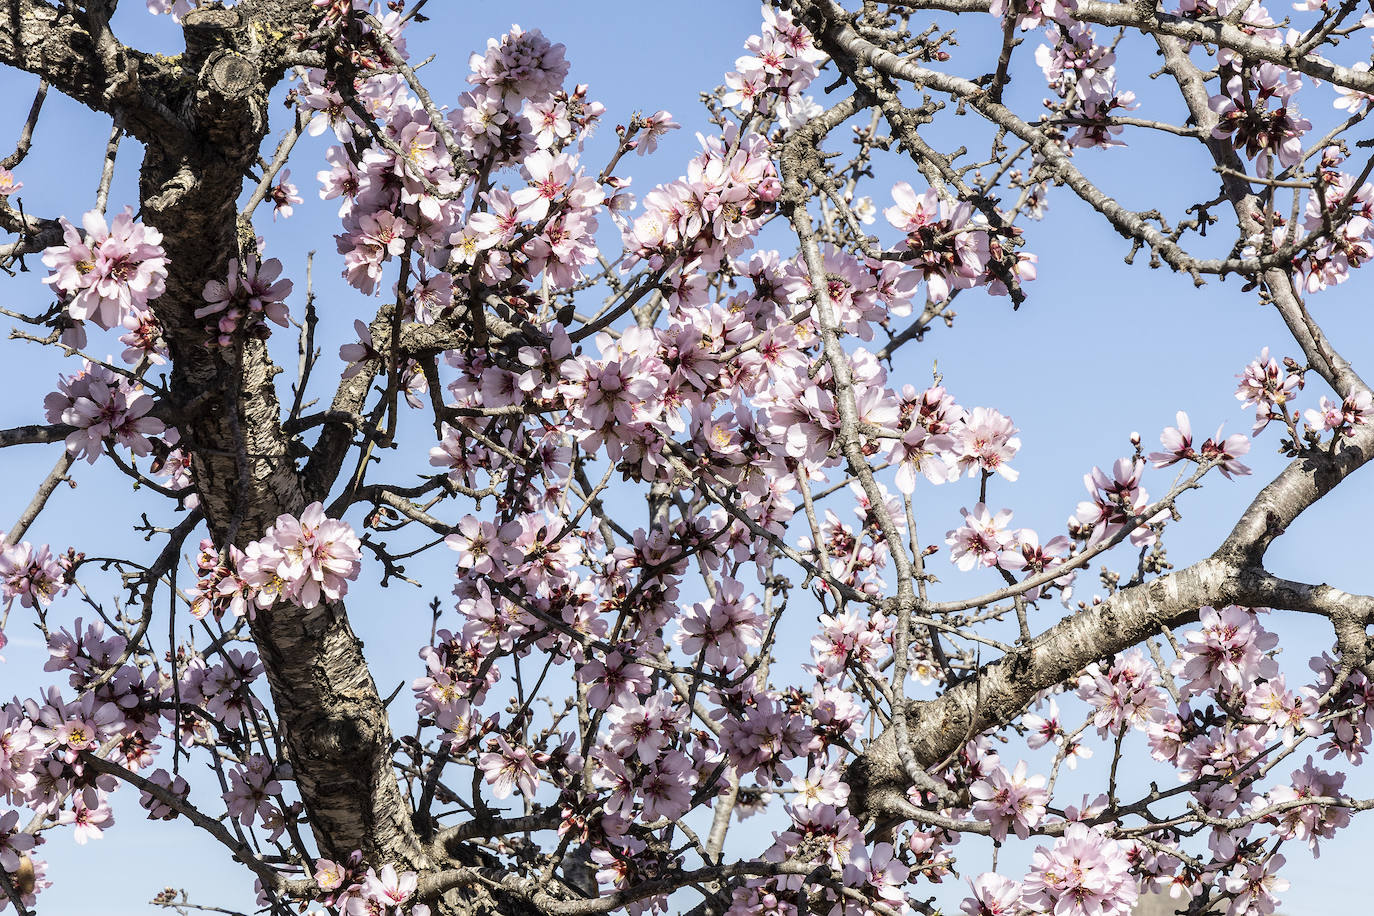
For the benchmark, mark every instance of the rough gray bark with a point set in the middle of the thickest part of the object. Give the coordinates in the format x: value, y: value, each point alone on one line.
x: 202, y: 117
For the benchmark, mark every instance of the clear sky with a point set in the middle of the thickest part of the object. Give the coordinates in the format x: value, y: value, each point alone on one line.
x: 1097, y: 351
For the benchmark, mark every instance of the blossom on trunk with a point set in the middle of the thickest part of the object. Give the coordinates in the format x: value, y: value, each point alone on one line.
x: 306, y: 559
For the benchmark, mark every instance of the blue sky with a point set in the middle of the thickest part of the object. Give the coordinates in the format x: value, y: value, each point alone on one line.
x: 1098, y: 350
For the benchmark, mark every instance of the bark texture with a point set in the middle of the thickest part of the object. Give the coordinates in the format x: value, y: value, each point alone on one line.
x: 202, y: 117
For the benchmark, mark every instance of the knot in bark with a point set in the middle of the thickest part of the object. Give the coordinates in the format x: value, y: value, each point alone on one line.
x: 336, y: 738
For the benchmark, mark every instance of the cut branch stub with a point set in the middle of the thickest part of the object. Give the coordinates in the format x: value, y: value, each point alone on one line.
x: 231, y: 103
x: 230, y: 75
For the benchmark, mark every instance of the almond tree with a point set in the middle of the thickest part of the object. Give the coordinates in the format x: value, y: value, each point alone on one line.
x: 607, y: 695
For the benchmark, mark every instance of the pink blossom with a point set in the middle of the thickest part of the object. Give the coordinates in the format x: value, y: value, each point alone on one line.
x: 1265, y: 386
x: 821, y: 786
x: 1116, y: 501
x: 507, y: 767
x: 981, y: 538
x: 89, y: 814
x: 993, y: 895
x: 177, y: 8
x: 1256, y: 887
x: 156, y: 808
x: 1026, y: 554
x: 144, y: 341
x: 111, y: 272
x: 654, y: 126
x: 912, y: 211
x: 284, y: 195
x: 985, y: 441
x: 251, y: 788
x: 375, y: 239
x: 483, y: 548
x: 550, y: 175
x: 306, y: 559
x: 847, y: 639
x: 391, y: 888
x: 520, y: 64
x: 1354, y: 410
x: 666, y: 787
x: 1315, y: 822
x: 1043, y: 729
x: 30, y: 574
x: 1177, y: 443
x: 328, y: 875
x: 1124, y: 695
x: 1008, y: 799
x: 931, y: 455
x: 14, y: 842
x: 882, y: 872
x: 643, y: 729
x: 102, y: 405
x: 498, y: 222
x: 1084, y: 874
x: 724, y: 628
x: 245, y: 300
x: 1230, y: 650
x: 1178, y: 446
x: 1292, y: 714
x: 613, y: 680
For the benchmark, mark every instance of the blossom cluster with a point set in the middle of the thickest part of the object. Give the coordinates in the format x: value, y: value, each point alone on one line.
x: 307, y: 560
x: 782, y: 62
x: 103, y: 406
x: 119, y: 712
x: 1340, y: 221
x: 352, y: 888
x: 1081, y: 72
x: 1230, y: 659
x: 724, y: 405
x: 412, y: 194
x: 731, y: 393
x: 32, y: 574
x: 1254, y: 109
x: 711, y: 214
x: 245, y: 301
x: 950, y: 246
x: 1083, y: 872
x: 109, y: 274
x: 1256, y: 112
